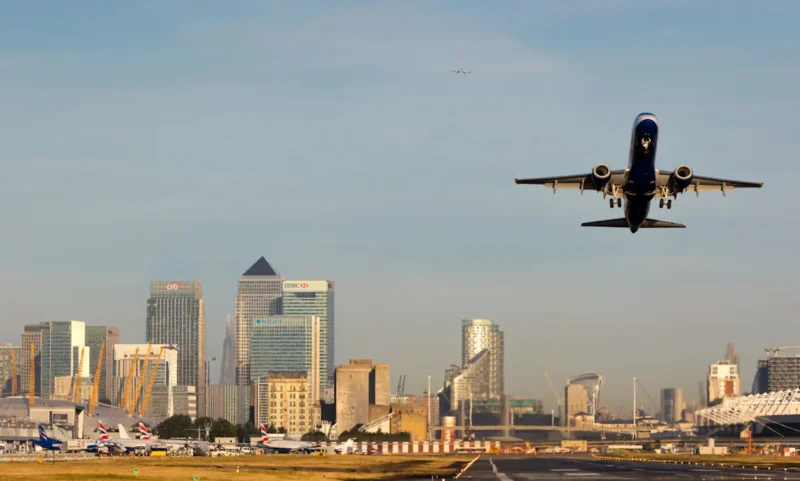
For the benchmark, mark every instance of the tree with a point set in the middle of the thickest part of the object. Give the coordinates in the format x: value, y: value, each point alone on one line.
x: 177, y: 426
x: 222, y: 428
x: 245, y: 431
x: 314, y: 437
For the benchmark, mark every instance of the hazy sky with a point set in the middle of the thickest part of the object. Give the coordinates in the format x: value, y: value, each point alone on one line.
x: 184, y: 139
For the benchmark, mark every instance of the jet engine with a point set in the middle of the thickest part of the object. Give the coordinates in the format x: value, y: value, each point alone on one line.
x: 682, y: 178
x: 601, y: 174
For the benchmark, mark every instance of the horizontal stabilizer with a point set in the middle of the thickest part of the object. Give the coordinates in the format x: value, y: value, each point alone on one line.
x: 647, y: 224
x: 607, y: 223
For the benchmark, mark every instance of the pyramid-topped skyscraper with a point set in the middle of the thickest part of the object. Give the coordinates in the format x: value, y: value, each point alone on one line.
x: 259, y: 295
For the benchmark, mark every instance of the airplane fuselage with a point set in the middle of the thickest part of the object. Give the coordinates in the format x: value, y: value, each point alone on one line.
x: 640, y: 184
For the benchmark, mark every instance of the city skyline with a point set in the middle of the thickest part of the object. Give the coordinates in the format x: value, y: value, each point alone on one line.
x: 183, y: 141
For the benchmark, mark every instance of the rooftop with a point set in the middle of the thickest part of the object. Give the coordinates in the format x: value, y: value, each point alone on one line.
x: 260, y: 268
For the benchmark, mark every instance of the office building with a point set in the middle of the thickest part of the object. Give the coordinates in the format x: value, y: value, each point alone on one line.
x: 176, y: 316
x: 31, y: 336
x: 284, y: 402
x: 9, y: 356
x: 258, y: 296
x: 286, y: 344
x: 97, y: 337
x: 582, y: 395
x: 723, y: 381
x: 352, y: 394
x: 62, y: 344
x: 314, y: 298
x: 140, y: 365
x: 470, y: 381
x: 229, y: 403
x: 482, y: 334
x: 227, y: 370
x: 672, y: 405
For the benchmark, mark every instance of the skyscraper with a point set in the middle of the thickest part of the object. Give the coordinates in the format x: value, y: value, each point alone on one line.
x: 176, y: 316
x: 284, y: 344
x: 480, y: 334
x: 315, y: 298
x: 227, y: 371
x: 61, y: 348
x: 8, y: 354
x: 259, y: 296
x: 672, y: 405
x: 97, y: 336
x: 32, y: 336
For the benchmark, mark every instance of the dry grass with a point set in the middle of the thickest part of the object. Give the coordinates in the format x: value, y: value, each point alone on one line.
x: 277, y: 467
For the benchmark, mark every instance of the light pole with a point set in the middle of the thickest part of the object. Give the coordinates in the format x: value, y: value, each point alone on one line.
x: 429, y: 409
x: 633, y: 435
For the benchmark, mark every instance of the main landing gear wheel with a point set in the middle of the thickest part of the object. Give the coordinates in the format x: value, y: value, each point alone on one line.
x: 619, y: 202
x: 611, y: 203
x: 669, y: 204
x: 661, y: 204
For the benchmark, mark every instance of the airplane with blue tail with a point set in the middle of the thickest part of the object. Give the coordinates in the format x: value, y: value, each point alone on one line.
x: 46, y: 443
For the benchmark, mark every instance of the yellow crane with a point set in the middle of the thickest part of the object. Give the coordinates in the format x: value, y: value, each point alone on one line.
x: 139, y: 381
x: 32, y: 376
x: 96, y: 383
x: 150, y: 382
x: 13, y: 372
x: 76, y: 388
x: 126, y: 391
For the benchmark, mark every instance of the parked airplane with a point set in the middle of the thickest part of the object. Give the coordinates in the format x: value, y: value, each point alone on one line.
x: 47, y: 443
x: 640, y: 182
x: 286, y: 446
x: 347, y: 447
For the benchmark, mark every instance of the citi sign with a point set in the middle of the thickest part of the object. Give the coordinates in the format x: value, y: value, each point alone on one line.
x: 172, y: 286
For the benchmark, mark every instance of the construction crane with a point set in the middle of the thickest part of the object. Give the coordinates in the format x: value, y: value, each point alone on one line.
x: 32, y: 376
x: 401, y: 386
x: 76, y: 388
x: 96, y: 383
x: 150, y: 382
x: 773, y: 351
x: 139, y: 381
x: 13, y: 372
x: 126, y: 391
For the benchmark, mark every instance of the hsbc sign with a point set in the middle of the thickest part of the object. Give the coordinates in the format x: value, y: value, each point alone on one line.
x: 305, y: 286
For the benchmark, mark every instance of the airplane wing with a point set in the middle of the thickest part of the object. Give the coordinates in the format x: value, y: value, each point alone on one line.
x: 702, y: 184
x: 580, y: 182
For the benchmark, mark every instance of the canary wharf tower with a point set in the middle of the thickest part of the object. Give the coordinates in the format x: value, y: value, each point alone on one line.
x: 259, y: 296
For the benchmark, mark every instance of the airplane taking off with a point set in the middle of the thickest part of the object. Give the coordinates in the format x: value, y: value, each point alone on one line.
x: 461, y: 71
x: 640, y: 182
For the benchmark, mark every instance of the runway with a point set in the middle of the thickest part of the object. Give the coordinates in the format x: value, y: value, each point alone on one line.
x: 543, y: 467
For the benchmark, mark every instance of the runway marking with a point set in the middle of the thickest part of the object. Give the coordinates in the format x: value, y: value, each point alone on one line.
x: 565, y: 469
x: 500, y: 476
x: 582, y: 474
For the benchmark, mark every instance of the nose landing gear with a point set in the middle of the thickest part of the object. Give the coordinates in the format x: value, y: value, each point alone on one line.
x: 662, y: 202
x: 611, y: 203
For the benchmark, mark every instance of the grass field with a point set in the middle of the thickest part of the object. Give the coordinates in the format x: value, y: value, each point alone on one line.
x: 763, y: 462
x: 277, y: 467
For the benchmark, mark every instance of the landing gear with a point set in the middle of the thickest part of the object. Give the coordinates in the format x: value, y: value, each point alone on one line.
x: 619, y: 202
x: 668, y: 202
x: 661, y: 204
x: 611, y: 203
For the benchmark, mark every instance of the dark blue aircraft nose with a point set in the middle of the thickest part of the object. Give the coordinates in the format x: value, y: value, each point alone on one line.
x: 647, y: 127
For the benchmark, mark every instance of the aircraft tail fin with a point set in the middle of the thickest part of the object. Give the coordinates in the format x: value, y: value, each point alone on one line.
x: 647, y: 224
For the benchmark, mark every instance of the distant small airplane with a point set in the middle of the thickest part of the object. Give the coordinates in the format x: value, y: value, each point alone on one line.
x: 461, y: 71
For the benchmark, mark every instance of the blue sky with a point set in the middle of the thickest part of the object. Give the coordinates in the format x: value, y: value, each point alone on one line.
x: 183, y: 140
